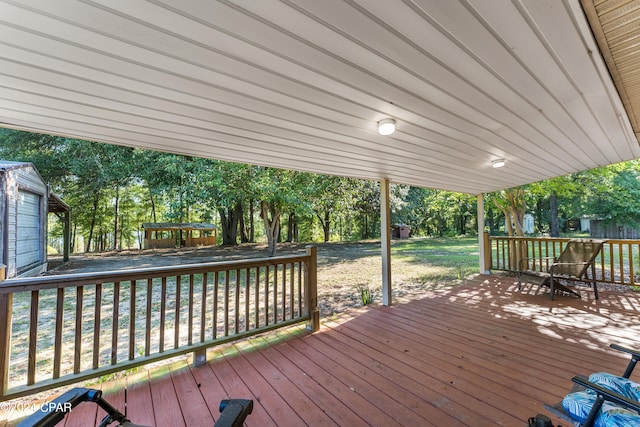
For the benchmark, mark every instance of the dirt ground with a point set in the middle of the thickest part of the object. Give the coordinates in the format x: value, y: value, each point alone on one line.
x: 129, y: 259
x: 342, y: 267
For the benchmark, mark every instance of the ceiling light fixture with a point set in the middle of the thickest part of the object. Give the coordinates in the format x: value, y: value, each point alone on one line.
x: 386, y: 126
x: 498, y: 163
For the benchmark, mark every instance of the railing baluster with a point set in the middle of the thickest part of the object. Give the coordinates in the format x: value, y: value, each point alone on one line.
x: 176, y: 326
x: 163, y: 311
x: 190, y: 309
x: 203, y: 306
x: 266, y: 295
x: 33, y: 337
x: 247, y: 296
x: 226, y: 304
x: 57, y: 346
x: 611, y: 260
x: 257, y: 297
x: 6, y: 311
x: 78, y: 341
x: 299, y: 288
x: 602, y: 269
x: 284, y: 292
x: 115, y: 323
x: 621, y: 263
x: 216, y: 277
x: 631, y: 269
x: 275, y: 293
x: 97, y: 319
x: 132, y: 320
x: 147, y: 334
x: 291, y: 288
x: 236, y: 329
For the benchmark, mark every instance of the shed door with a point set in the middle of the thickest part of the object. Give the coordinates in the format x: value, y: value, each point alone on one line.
x: 28, y: 229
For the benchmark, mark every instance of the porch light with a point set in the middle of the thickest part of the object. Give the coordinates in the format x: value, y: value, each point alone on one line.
x: 498, y: 163
x: 386, y: 126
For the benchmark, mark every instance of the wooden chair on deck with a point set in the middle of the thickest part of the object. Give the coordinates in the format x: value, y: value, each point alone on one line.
x: 573, y: 264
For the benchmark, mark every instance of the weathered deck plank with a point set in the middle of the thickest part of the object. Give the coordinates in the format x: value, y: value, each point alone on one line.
x: 166, y: 406
x: 140, y: 409
x: 478, y: 354
x: 195, y: 411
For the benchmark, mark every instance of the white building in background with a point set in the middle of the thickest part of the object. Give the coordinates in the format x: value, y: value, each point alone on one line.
x: 527, y: 225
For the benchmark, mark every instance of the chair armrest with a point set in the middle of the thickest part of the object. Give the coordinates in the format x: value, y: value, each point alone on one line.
x: 233, y: 412
x: 635, y: 357
x: 632, y: 352
x: 570, y: 263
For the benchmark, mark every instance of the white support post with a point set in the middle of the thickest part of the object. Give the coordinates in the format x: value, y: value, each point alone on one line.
x: 481, y: 245
x: 385, y: 240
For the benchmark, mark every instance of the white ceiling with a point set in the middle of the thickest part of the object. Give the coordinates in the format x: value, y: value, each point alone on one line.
x: 300, y: 84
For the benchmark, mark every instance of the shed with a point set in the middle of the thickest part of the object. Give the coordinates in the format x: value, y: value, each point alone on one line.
x: 181, y: 234
x: 23, y: 212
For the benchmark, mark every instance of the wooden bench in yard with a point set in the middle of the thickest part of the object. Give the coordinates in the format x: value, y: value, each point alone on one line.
x: 574, y: 264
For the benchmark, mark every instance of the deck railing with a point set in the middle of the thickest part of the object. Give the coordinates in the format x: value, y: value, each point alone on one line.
x: 57, y: 330
x: 617, y: 263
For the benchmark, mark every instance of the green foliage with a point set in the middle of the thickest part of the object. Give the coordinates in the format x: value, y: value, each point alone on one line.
x: 365, y: 293
x: 112, y: 190
x: 437, y: 213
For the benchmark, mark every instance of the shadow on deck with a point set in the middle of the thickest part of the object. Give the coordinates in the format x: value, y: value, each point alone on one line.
x: 478, y: 354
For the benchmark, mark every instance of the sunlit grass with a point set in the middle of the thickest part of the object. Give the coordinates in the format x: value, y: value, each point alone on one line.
x: 416, y: 264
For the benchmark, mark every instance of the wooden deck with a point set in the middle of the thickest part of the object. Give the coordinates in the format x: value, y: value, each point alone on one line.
x: 479, y: 354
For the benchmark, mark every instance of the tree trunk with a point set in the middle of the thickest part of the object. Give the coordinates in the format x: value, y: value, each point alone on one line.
x: 553, y: 212
x: 115, y: 219
x: 365, y: 232
x: 513, y: 206
x: 326, y: 225
x: 291, y: 223
x: 229, y: 219
x: 244, y: 237
x: 271, y: 225
x: 252, y: 230
x: 153, y: 206
x: 94, y: 214
x: 72, y: 243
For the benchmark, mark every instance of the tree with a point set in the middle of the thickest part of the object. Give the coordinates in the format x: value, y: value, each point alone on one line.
x: 329, y: 196
x: 513, y: 205
x: 279, y: 190
x: 556, y: 192
x: 367, y: 206
x: 229, y: 187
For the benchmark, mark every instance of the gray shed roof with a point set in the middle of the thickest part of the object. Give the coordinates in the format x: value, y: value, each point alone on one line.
x: 8, y: 165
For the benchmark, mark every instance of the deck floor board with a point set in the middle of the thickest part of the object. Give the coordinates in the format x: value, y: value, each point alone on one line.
x: 477, y: 354
x: 139, y: 403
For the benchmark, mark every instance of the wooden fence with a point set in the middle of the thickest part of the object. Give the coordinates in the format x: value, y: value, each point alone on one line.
x: 58, y: 330
x: 617, y: 263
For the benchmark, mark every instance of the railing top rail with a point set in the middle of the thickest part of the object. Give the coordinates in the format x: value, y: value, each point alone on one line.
x: 566, y: 239
x: 543, y: 239
x: 80, y: 279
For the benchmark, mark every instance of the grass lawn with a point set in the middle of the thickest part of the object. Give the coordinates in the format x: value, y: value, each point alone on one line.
x: 416, y: 264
